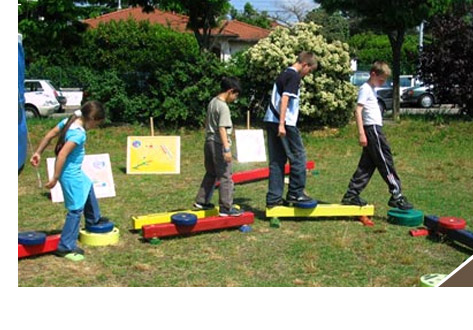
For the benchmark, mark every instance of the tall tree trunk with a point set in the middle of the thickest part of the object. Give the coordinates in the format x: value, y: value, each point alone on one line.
x: 396, y: 38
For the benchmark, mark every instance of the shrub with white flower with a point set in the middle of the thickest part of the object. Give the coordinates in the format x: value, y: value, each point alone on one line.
x: 327, y: 96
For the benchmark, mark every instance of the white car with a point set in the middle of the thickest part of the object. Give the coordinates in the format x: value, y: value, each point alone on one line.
x: 41, y: 98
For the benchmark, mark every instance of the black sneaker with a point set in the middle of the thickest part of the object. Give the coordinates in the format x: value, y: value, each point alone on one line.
x: 233, y: 212
x: 349, y: 199
x: 204, y: 206
x: 280, y: 202
x: 298, y: 199
x: 400, y: 202
x: 63, y: 253
x: 103, y: 220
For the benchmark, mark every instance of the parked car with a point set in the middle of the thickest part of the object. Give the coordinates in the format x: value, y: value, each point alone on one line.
x: 422, y: 96
x: 385, y: 98
x: 42, y: 98
x: 359, y: 78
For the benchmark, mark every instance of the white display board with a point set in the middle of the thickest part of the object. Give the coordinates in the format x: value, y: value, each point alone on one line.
x: 98, y: 168
x: 250, y: 145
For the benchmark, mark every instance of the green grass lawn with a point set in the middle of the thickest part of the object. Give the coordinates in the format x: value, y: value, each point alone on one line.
x: 433, y: 159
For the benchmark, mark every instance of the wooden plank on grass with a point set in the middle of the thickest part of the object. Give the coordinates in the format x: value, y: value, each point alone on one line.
x: 322, y: 210
x: 205, y: 224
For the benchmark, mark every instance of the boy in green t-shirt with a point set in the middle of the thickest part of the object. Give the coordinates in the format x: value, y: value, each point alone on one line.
x: 217, y: 151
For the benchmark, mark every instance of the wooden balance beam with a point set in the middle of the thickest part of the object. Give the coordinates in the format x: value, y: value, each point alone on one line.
x: 204, y: 224
x: 50, y: 245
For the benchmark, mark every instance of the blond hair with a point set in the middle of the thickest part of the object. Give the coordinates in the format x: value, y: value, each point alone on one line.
x: 381, y: 67
x: 307, y: 57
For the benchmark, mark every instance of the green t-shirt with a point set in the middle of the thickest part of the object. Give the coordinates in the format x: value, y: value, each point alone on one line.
x: 218, y: 115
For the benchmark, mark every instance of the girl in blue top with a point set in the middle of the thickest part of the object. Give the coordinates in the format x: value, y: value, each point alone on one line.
x: 79, y: 196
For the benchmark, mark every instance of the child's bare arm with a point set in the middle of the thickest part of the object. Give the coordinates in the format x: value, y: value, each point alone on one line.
x: 223, y: 137
x: 282, y: 115
x: 36, y: 158
x: 60, y: 160
x: 359, y: 123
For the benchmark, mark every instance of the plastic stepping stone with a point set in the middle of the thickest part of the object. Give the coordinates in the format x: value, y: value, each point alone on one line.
x: 275, y: 223
x: 431, y: 280
x: 408, y: 218
x: 245, y: 229
x: 74, y: 257
x: 366, y: 221
x: 306, y: 205
x: 452, y: 223
x: 99, y: 239
x: 100, y: 228
x: 184, y: 219
x: 31, y: 238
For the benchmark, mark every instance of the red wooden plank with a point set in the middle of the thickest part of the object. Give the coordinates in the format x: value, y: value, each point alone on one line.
x: 49, y: 245
x: 261, y: 173
x: 205, y: 224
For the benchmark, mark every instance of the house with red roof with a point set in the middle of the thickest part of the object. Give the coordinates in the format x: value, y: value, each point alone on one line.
x: 231, y: 37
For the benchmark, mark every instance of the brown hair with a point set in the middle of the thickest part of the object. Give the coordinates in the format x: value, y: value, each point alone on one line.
x: 307, y: 57
x: 91, y: 110
x: 380, y: 67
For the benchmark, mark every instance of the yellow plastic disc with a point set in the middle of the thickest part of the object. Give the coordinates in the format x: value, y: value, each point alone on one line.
x: 96, y: 239
x: 431, y: 280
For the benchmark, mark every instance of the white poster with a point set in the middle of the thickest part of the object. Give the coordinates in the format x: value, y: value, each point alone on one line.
x: 98, y: 168
x: 250, y: 145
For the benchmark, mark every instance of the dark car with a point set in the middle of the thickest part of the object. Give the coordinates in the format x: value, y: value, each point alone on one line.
x: 385, y: 98
x: 422, y: 96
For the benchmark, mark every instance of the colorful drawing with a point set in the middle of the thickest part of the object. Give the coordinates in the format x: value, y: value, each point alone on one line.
x: 153, y: 155
x: 98, y: 168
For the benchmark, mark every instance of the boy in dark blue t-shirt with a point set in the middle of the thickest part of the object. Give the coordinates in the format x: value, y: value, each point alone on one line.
x: 284, y: 139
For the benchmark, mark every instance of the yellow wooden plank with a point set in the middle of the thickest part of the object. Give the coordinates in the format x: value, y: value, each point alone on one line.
x: 165, y: 217
x: 322, y: 210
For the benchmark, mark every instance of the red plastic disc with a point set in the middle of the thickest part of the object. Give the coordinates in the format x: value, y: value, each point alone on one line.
x: 452, y: 223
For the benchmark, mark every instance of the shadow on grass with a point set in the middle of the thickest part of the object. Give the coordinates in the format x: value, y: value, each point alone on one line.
x: 47, y: 195
x: 435, y: 238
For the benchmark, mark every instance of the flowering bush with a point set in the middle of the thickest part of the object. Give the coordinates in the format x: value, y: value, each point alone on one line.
x: 327, y: 97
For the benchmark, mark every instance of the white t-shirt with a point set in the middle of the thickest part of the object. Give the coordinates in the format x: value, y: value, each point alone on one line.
x: 371, y: 113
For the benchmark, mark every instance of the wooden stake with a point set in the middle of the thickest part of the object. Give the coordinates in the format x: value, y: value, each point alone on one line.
x: 248, y: 119
x: 152, y: 125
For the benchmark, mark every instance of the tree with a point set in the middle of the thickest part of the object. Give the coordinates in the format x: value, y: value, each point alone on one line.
x: 446, y: 61
x: 327, y: 97
x: 49, y: 27
x: 291, y: 9
x: 204, y: 15
x: 369, y: 47
x: 334, y: 26
x: 393, y: 18
x: 251, y: 16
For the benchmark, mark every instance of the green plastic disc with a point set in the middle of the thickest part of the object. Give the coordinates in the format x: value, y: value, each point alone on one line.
x: 431, y: 280
x: 155, y: 241
x: 275, y: 223
x: 409, y: 218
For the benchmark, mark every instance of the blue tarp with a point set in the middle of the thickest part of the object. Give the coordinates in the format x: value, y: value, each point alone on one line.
x: 22, y: 130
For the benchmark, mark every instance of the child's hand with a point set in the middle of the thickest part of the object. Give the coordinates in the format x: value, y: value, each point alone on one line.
x: 227, y: 156
x: 363, y: 140
x: 35, y: 159
x: 51, y: 183
x: 281, y: 130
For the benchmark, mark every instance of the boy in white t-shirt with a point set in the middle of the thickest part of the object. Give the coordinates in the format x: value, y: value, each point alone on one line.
x: 376, y: 151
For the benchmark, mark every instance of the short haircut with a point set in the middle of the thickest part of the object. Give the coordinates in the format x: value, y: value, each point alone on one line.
x: 230, y: 83
x: 381, y: 67
x: 307, y: 57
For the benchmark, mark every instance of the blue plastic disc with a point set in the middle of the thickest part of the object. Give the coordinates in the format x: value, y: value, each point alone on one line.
x: 306, y: 205
x: 31, y: 238
x: 100, y: 228
x: 245, y: 229
x: 184, y: 219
